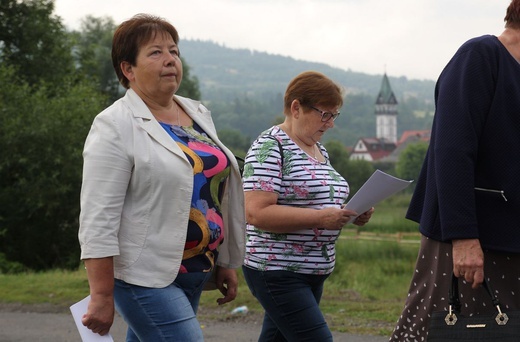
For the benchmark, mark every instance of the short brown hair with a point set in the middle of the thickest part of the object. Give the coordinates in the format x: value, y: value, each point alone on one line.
x: 512, y: 17
x: 312, y: 88
x: 131, y: 35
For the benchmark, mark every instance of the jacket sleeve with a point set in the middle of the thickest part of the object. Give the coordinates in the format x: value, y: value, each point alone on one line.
x: 106, y: 173
x: 232, y: 250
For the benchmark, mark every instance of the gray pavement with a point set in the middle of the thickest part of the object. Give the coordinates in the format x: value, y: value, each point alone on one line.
x: 18, y: 326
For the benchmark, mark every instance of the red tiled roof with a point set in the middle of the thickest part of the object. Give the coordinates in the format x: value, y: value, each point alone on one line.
x: 422, y: 135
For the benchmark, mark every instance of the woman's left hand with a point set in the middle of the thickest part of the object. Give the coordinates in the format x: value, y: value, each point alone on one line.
x: 227, y: 283
x: 468, y: 261
x: 363, y: 219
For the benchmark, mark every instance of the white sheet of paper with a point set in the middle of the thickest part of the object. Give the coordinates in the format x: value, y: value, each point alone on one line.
x: 377, y: 188
x: 78, y: 310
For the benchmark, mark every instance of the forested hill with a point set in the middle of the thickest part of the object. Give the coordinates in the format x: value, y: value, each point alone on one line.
x: 244, y: 90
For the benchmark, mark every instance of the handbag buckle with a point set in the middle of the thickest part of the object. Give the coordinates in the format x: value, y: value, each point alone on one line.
x: 451, y: 318
x: 501, y: 317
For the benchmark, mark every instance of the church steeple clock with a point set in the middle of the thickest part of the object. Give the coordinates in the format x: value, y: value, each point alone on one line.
x: 386, y: 112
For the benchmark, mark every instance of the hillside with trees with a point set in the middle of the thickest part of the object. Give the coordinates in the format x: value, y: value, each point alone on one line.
x: 244, y: 89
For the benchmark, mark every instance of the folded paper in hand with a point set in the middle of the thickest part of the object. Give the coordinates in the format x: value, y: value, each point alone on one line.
x: 78, y: 310
x: 377, y: 188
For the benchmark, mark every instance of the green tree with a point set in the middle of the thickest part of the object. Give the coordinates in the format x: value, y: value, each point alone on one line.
x: 358, y: 173
x: 41, y: 142
x: 190, y: 84
x: 235, y: 141
x: 338, y: 156
x: 92, y: 51
x: 410, y: 161
x: 44, y: 119
x: 34, y: 42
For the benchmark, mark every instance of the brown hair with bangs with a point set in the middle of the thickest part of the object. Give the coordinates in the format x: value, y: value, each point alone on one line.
x: 131, y: 35
x: 312, y: 88
x: 512, y: 17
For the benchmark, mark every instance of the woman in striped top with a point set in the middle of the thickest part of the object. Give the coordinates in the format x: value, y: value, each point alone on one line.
x: 294, y: 210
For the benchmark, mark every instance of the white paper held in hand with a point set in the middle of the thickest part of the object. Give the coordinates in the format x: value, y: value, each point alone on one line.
x: 78, y: 310
x: 377, y: 188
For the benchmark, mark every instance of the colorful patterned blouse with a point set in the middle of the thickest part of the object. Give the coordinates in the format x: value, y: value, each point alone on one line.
x: 211, y: 168
x: 300, y: 181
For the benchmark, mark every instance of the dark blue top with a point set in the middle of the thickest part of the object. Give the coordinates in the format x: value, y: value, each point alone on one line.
x: 469, y: 185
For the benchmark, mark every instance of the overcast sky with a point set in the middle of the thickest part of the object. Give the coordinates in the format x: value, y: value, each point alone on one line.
x: 412, y: 38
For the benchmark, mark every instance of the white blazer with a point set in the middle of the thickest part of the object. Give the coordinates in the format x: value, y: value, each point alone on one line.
x: 136, y: 194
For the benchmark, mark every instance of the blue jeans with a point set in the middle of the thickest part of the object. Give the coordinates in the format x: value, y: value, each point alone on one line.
x: 162, y: 314
x: 291, y: 303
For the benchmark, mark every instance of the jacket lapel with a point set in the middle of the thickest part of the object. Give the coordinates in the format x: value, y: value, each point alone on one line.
x: 202, y: 116
x: 150, y: 125
x: 194, y: 109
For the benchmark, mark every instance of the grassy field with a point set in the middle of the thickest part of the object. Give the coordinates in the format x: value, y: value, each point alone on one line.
x: 365, y: 294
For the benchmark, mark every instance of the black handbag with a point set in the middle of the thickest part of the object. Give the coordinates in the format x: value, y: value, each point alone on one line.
x: 450, y: 325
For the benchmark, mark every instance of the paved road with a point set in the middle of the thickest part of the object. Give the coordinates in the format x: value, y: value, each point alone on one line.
x: 16, y: 326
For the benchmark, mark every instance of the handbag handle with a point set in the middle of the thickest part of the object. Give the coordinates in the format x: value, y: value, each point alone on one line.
x: 454, y: 302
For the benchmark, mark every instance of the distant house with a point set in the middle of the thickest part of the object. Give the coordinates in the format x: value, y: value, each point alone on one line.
x: 385, y: 146
x: 372, y: 149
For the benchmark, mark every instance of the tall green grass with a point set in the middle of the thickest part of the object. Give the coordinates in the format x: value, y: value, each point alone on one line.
x: 57, y: 287
x: 366, y: 291
x: 374, y: 269
x: 389, y: 216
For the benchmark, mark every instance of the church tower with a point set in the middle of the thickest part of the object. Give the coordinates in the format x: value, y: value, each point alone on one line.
x: 386, y: 112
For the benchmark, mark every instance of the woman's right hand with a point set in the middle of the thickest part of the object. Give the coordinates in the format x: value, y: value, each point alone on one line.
x: 334, y: 218
x: 100, y: 311
x: 100, y: 314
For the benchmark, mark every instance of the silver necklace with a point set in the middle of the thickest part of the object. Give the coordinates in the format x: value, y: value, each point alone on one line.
x: 178, y: 115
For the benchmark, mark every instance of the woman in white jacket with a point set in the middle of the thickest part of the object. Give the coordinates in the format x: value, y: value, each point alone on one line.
x: 161, y: 200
